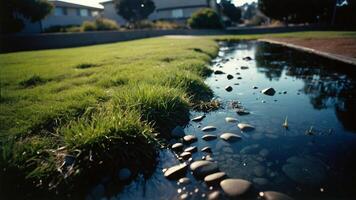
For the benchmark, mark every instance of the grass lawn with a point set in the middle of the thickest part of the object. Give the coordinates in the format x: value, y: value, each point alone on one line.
x: 100, y: 104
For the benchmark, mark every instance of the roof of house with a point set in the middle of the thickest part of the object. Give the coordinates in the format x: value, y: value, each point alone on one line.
x: 77, y: 4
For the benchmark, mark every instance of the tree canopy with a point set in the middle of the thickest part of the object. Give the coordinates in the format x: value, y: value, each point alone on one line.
x: 134, y: 10
x: 13, y: 13
x: 230, y: 10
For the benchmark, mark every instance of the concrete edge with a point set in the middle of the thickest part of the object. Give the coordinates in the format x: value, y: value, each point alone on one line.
x: 344, y: 59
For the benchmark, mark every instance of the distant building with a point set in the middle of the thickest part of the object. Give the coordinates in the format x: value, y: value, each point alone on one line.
x: 171, y: 10
x: 64, y: 13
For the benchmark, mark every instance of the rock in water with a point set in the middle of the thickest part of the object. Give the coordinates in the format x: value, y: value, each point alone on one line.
x: 206, y: 150
x: 241, y: 111
x: 218, y: 72
x: 214, y: 195
x: 191, y: 149
x: 230, y: 137
x: 178, y: 132
x: 235, y: 187
x: 184, y: 181
x: 244, y: 67
x: 269, y: 91
x: 124, y: 174
x: 271, y: 195
x: 203, y: 168
x: 209, y: 137
x: 215, y: 178
x: 230, y: 119
x: 229, y: 76
x: 176, y: 171
x: 208, y: 128
x: 185, y: 155
x: 245, y: 127
x: 190, y: 139
x: 247, y: 58
x: 198, y: 118
x: 177, y: 146
x: 228, y: 88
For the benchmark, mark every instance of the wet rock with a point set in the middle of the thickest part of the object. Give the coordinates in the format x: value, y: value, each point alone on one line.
x: 235, y: 187
x: 185, y: 155
x: 178, y: 132
x: 229, y: 76
x: 237, y: 73
x: 242, y: 111
x: 124, y: 174
x: 184, y: 196
x: 177, y: 146
x: 269, y: 91
x: 244, y: 67
x: 219, y: 72
x: 230, y: 137
x: 284, y: 92
x: 245, y: 127
x: 255, y: 87
x: 305, y: 170
x: 190, y: 139
x: 260, y: 181
x: 209, y: 158
x: 198, y: 118
x: 203, y: 168
x: 230, y: 119
x: 176, y: 171
x: 247, y: 58
x: 206, y: 150
x: 214, y: 195
x: 184, y: 181
x: 271, y: 195
x: 215, y: 178
x: 191, y: 149
x: 239, y: 78
x: 209, y: 137
x: 208, y: 128
x: 228, y: 88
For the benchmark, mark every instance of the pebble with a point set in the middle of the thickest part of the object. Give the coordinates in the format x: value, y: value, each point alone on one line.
x: 215, y: 178
x: 272, y: 195
x: 268, y: 91
x: 191, y: 149
x: 184, y: 181
x: 230, y: 119
x: 209, y: 137
x: 206, y: 150
x: 229, y: 76
x: 242, y: 111
x: 178, y: 132
x: 208, y: 128
x: 203, y: 168
x: 198, y: 118
x: 218, y: 72
x: 235, y: 187
x: 215, y: 195
x: 245, y: 127
x: 230, y: 137
x: 255, y: 87
x: 185, y: 155
x: 177, y: 146
x: 176, y: 171
x: 184, y: 196
x: 190, y: 139
x: 228, y: 88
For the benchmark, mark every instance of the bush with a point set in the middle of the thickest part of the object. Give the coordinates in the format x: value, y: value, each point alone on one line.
x: 205, y: 18
x: 146, y: 24
x: 88, y: 26
x: 100, y: 24
x: 60, y: 28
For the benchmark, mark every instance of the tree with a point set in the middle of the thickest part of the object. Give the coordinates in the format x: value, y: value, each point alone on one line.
x: 13, y: 13
x: 134, y: 10
x: 205, y: 18
x: 230, y: 10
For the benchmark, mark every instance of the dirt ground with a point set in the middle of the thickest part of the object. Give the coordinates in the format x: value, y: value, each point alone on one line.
x: 340, y: 46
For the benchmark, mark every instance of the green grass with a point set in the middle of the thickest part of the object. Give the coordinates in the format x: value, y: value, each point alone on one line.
x: 101, y: 103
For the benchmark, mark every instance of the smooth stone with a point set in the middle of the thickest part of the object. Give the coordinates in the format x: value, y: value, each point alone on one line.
x: 177, y: 146
x: 185, y: 155
x: 272, y: 195
x: 269, y: 91
x: 255, y: 87
x: 190, y: 139
x: 191, y: 149
x: 198, y: 118
x: 215, y: 178
x: 219, y: 72
x: 208, y: 128
x: 241, y: 111
x: 206, y: 150
x: 184, y: 181
x: 176, y: 171
x: 229, y: 76
x: 228, y: 88
x: 245, y: 127
x: 214, y: 195
x: 124, y: 174
x: 230, y: 137
x: 184, y: 196
x: 230, y: 119
x: 178, y: 132
x: 203, y: 168
x: 209, y: 137
x: 260, y: 181
x: 235, y: 187
x: 247, y: 58
x: 284, y: 92
x: 209, y: 158
x: 239, y: 78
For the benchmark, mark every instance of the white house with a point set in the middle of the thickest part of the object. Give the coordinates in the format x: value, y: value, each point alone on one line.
x: 64, y: 13
x: 172, y: 10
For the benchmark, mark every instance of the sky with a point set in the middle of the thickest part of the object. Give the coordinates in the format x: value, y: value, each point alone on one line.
x: 96, y: 2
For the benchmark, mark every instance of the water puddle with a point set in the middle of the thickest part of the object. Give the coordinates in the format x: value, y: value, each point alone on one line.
x: 303, y: 141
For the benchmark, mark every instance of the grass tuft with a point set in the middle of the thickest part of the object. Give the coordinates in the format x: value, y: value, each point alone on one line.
x: 33, y: 81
